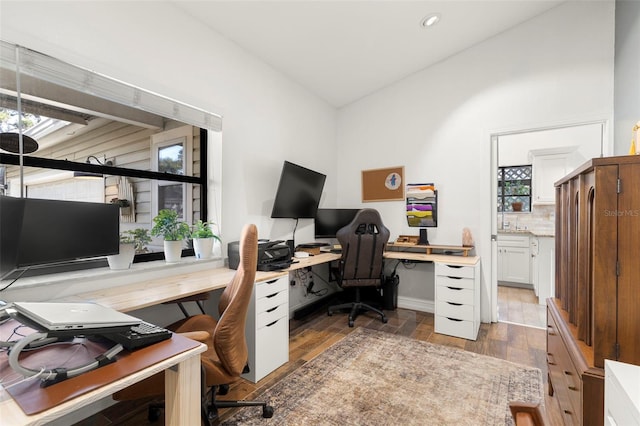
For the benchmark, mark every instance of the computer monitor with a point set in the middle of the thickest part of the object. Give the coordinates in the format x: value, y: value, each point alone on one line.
x: 299, y: 192
x: 329, y: 221
x: 42, y: 232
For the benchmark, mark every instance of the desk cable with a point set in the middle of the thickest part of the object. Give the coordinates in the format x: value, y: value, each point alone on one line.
x: 55, y: 375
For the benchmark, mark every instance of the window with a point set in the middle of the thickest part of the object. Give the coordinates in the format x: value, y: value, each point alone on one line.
x: 514, y: 188
x: 141, y: 147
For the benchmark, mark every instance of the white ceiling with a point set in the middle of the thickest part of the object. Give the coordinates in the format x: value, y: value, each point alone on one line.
x: 345, y: 50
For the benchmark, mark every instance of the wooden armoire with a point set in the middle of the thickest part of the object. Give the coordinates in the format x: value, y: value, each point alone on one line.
x: 595, y: 314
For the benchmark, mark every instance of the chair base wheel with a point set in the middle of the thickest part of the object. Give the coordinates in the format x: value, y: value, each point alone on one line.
x: 267, y: 411
x: 350, y: 323
x: 385, y: 320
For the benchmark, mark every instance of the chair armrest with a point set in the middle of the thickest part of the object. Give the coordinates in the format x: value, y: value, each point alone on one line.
x: 526, y: 413
x: 200, y: 336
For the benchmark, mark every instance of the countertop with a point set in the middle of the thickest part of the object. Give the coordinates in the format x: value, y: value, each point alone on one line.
x: 534, y: 232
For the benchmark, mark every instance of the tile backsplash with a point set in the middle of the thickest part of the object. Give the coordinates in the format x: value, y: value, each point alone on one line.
x: 542, y: 218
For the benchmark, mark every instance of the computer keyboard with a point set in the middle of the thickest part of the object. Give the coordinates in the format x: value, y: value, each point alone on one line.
x: 143, y: 334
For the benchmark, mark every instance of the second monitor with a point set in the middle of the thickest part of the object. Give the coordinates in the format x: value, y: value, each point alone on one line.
x: 329, y: 221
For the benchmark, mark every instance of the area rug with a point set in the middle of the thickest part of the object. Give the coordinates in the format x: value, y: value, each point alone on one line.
x: 376, y: 378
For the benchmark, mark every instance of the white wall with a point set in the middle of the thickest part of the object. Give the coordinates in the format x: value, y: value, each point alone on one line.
x: 627, y: 73
x: 267, y: 117
x: 555, y: 68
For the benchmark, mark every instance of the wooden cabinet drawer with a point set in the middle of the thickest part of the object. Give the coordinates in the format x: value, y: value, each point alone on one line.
x: 443, y: 269
x: 455, y: 282
x: 272, y: 300
x: 455, y: 295
x: 266, y: 288
x: 454, y: 327
x: 455, y: 310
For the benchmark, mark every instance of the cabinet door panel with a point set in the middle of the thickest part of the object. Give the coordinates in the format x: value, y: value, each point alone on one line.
x: 515, y: 265
x: 628, y: 316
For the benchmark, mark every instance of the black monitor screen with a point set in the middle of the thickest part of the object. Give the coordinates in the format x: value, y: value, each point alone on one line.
x: 298, y: 193
x: 53, y: 231
x: 329, y: 221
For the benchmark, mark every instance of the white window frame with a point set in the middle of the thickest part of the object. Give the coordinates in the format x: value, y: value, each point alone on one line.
x: 183, y: 135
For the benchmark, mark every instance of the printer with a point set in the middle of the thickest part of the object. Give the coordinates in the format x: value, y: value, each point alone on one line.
x: 272, y: 255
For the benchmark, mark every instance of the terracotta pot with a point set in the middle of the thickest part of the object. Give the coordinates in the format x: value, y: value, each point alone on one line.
x: 517, y: 206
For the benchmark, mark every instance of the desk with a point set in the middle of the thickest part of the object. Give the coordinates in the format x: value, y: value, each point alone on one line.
x: 156, y: 291
x: 182, y: 388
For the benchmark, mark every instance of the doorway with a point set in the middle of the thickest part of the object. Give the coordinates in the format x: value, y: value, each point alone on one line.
x: 575, y: 143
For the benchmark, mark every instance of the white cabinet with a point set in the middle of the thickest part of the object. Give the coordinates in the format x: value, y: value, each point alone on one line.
x: 621, y: 394
x: 457, y: 300
x: 543, y: 267
x: 514, y: 263
x: 267, y: 327
x: 548, y: 166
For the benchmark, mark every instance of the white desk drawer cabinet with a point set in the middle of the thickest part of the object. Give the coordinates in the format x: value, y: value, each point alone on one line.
x: 267, y: 328
x: 457, y: 300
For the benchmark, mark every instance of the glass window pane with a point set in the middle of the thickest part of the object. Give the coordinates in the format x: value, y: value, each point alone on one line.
x: 170, y: 159
x: 170, y: 197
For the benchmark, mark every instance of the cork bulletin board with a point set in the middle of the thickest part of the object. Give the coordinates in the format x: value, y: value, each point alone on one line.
x: 383, y: 184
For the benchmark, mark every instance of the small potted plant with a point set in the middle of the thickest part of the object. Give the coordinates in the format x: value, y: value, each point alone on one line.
x: 515, y: 189
x: 203, y: 239
x: 174, y: 231
x: 141, y: 238
x: 125, y: 205
x: 126, y: 252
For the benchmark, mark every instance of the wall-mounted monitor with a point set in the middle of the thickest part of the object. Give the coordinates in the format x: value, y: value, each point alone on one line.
x: 299, y: 192
x: 41, y: 232
x: 329, y: 221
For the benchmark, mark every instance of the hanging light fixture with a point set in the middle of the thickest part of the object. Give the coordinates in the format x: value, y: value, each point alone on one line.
x: 92, y: 175
x: 11, y: 142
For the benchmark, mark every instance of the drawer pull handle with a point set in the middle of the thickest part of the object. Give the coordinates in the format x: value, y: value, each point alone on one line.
x: 454, y: 288
x: 272, y: 281
x: 454, y: 266
x: 270, y: 324
x: 454, y: 278
x: 567, y: 412
x: 454, y: 304
x: 573, y: 388
x: 454, y: 319
x: 272, y: 309
x: 271, y: 295
x: 551, y: 333
x: 568, y: 373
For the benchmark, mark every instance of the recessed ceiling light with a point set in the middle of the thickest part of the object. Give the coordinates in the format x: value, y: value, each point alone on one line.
x: 430, y: 20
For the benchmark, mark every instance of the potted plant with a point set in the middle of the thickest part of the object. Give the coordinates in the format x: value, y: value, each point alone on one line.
x: 125, y: 205
x: 141, y: 238
x: 515, y: 189
x: 126, y: 252
x: 173, y: 231
x: 203, y: 239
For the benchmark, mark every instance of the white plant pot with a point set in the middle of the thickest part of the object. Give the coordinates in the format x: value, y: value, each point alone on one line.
x: 172, y: 251
x: 203, y: 247
x: 124, y: 259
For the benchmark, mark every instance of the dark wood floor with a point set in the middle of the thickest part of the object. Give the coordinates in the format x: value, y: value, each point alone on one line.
x: 313, y: 334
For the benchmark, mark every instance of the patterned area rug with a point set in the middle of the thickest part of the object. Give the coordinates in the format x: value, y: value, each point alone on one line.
x: 376, y: 378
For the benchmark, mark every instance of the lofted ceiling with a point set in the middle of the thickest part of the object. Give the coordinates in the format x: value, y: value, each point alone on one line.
x: 345, y: 50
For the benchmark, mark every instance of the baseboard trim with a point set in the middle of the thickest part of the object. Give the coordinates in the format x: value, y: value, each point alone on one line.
x: 416, y: 304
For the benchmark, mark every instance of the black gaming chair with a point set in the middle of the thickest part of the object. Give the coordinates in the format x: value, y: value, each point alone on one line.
x: 363, y: 242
